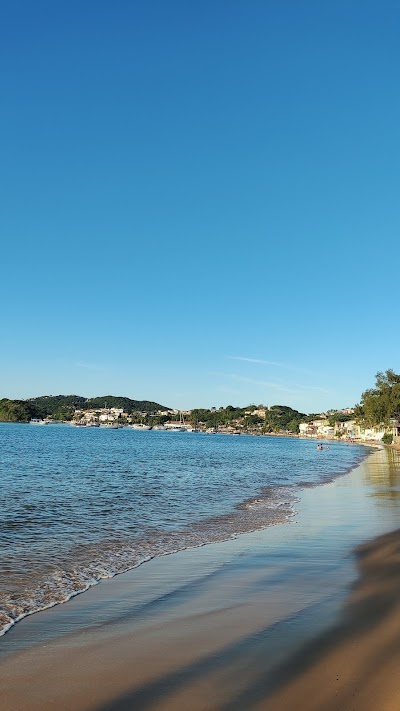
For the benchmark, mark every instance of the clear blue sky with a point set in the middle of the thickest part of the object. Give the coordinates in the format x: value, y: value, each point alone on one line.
x: 200, y: 200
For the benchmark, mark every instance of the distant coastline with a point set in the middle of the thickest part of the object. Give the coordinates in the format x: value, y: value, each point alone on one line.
x: 375, y: 419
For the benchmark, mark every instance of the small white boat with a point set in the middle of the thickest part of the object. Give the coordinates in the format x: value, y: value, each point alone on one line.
x: 140, y: 426
x: 180, y: 426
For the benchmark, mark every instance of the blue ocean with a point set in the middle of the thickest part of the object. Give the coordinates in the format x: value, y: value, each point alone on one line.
x: 83, y: 504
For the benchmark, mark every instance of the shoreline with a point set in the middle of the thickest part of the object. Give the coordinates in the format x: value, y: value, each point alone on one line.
x: 207, y: 627
x: 355, y: 664
x: 260, y: 511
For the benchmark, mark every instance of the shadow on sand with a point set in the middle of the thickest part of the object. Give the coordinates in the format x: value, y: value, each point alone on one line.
x: 246, y: 675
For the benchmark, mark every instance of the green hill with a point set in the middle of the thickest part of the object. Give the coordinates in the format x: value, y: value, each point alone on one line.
x: 125, y: 402
x: 61, y: 407
x: 16, y: 411
x: 283, y: 418
x: 278, y: 418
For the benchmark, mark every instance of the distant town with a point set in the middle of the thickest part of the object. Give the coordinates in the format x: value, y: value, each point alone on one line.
x: 375, y: 419
x: 255, y: 420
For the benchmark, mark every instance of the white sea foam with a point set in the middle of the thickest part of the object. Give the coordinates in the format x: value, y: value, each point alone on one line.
x: 61, y: 586
x: 95, y: 508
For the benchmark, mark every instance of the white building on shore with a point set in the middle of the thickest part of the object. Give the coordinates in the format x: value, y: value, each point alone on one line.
x: 345, y: 430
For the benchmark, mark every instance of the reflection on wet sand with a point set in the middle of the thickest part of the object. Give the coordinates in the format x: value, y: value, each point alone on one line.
x: 355, y: 665
x: 382, y: 472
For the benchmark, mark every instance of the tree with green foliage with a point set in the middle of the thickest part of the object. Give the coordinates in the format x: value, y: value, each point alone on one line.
x: 217, y: 418
x: 381, y: 404
x: 252, y: 421
x: 57, y: 405
x: 338, y: 417
x: 281, y: 418
x: 16, y: 411
x: 293, y: 426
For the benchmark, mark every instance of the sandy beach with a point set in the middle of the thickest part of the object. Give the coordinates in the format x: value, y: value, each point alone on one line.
x: 355, y: 665
x: 304, y: 614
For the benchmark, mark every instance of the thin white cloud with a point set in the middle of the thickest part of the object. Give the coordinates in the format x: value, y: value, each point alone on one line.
x: 257, y: 360
x: 316, y: 388
x: 90, y: 366
x: 278, y: 386
x: 253, y: 381
x: 263, y: 383
x: 228, y: 391
x: 261, y: 361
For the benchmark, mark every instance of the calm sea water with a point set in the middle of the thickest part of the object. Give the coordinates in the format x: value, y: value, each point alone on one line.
x: 79, y: 505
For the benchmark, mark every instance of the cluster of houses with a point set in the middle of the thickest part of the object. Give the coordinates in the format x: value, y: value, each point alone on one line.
x: 100, y: 415
x: 349, y: 430
x: 107, y: 415
x: 319, y: 428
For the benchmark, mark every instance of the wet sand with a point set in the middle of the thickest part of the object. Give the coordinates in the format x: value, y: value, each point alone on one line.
x: 287, y: 617
x: 356, y: 664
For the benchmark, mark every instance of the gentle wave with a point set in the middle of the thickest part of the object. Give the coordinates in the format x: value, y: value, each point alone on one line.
x: 112, y: 559
x: 110, y: 501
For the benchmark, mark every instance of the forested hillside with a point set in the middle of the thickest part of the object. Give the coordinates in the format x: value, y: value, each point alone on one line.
x: 278, y: 418
x: 61, y: 407
x: 381, y: 404
x: 16, y: 411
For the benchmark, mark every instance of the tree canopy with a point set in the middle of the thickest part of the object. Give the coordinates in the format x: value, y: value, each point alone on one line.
x: 16, y: 411
x: 283, y: 418
x: 380, y: 404
x: 278, y: 418
x: 61, y: 407
x: 339, y: 417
